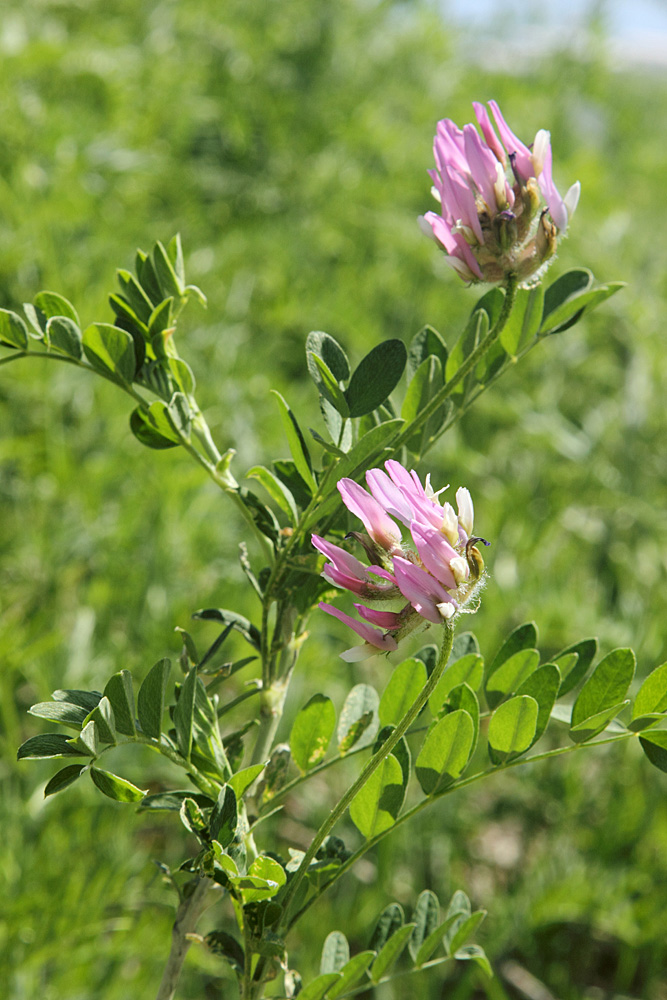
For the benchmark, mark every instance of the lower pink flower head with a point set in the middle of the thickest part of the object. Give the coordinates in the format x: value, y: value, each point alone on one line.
x: 500, y: 210
x: 436, y: 572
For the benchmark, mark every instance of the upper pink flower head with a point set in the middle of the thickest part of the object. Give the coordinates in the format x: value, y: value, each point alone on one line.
x: 491, y: 190
x: 436, y: 574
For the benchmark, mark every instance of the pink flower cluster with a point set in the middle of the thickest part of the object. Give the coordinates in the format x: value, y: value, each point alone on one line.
x: 490, y: 191
x: 436, y: 575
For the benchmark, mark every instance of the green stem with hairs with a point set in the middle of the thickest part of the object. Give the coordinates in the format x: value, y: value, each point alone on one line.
x: 376, y: 760
x: 468, y: 365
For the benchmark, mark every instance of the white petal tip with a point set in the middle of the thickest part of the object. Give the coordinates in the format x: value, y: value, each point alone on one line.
x: 357, y: 653
x: 426, y: 228
x: 571, y: 199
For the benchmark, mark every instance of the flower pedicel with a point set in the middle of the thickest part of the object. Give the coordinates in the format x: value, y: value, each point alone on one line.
x: 436, y: 575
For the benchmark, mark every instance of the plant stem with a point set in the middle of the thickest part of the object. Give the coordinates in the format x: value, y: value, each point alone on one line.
x: 370, y: 768
x: 187, y: 914
x: 270, y: 714
x: 468, y: 365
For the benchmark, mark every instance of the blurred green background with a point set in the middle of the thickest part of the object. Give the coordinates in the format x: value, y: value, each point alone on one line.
x: 288, y: 142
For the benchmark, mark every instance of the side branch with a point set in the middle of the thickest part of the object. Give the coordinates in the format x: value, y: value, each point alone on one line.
x: 187, y: 915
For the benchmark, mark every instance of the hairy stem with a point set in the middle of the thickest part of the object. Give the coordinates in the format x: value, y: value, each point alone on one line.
x: 468, y: 365
x: 341, y: 806
x: 187, y: 915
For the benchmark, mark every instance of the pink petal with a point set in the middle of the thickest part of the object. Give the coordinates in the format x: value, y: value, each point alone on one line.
x: 482, y: 165
x: 371, y: 635
x: 388, y: 495
x: 341, y: 560
x: 557, y: 208
x: 435, y: 552
x: 377, y: 522
x: 421, y: 589
x: 522, y: 162
x: 384, y: 619
x: 488, y: 132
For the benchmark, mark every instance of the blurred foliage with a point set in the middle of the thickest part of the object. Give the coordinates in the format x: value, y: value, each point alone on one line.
x: 289, y: 142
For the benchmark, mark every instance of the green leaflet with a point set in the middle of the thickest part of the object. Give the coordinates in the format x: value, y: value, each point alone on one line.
x: 115, y: 787
x: 651, y: 701
x: 150, y: 700
x: 376, y: 376
x: 402, y: 690
x: 312, y: 731
x: 335, y: 953
x: 296, y: 442
x: 605, y: 689
x: 376, y: 806
x: 445, y: 751
x: 512, y: 728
